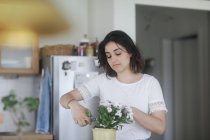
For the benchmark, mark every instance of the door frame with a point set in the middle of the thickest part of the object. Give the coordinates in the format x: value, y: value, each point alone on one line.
x: 203, y: 71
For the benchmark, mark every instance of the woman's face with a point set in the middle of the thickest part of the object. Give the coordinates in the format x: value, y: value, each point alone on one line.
x: 117, y: 57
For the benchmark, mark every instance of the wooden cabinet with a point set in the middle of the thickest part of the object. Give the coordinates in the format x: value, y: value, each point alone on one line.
x: 19, y: 53
x: 20, y: 61
x: 30, y: 136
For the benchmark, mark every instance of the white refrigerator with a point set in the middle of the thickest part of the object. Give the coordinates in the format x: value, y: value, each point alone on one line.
x: 69, y: 72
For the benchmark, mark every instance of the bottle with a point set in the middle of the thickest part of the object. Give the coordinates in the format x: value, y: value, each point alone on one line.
x: 75, y: 50
x: 80, y: 50
x: 82, y: 46
x: 95, y: 47
x: 89, y: 51
x: 85, y: 41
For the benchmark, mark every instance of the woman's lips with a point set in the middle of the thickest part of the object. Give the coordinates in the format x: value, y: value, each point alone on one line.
x: 115, y: 65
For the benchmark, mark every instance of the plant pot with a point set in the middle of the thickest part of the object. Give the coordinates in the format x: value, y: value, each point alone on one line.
x: 104, y: 134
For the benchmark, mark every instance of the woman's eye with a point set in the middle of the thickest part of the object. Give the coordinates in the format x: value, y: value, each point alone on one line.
x: 108, y: 56
x: 118, y: 52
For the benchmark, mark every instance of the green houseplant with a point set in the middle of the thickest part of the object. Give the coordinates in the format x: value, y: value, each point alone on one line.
x: 17, y: 108
x: 111, y: 117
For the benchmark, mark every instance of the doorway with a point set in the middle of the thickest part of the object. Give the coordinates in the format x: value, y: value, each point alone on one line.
x: 180, y: 58
x: 177, y: 41
x: 186, y: 89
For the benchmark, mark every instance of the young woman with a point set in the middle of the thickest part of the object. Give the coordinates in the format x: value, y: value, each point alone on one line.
x: 122, y: 82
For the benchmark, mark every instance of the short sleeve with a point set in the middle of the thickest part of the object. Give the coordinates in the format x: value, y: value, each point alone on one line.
x: 90, y: 88
x: 156, y: 100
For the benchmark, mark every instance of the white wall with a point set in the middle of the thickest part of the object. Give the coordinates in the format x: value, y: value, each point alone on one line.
x: 100, y: 18
x: 76, y: 13
x: 124, y: 17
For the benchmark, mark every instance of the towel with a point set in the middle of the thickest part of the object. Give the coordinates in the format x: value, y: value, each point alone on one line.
x: 43, y: 113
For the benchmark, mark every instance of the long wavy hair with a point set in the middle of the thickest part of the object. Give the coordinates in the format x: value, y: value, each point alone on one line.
x: 121, y: 38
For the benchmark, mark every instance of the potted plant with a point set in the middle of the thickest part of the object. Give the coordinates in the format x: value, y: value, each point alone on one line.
x: 111, y: 117
x: 17, y: 108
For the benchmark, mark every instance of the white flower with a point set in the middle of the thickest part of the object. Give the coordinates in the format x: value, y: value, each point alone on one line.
x: 109, y: 109
x: 118, y: 105
x: 118, y: 113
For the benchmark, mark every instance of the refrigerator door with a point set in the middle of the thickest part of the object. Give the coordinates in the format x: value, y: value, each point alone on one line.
x: 69, y: 73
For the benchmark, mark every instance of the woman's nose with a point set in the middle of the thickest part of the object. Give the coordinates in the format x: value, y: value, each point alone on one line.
x: 113, y: 58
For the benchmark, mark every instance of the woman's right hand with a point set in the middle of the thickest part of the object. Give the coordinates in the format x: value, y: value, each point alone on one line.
x: 79, y: 113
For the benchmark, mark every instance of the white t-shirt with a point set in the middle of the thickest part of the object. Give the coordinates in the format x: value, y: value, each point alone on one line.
x: 145, y: 94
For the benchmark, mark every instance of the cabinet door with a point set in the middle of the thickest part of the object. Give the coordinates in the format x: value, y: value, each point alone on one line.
x: 19, y: 60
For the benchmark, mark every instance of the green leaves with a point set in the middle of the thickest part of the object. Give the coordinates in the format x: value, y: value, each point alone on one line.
x: 9, y: 101
x: 17, y: 107
x: 31, y: 103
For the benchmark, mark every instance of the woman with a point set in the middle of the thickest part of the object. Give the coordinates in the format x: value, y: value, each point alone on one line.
x: 123, y: 82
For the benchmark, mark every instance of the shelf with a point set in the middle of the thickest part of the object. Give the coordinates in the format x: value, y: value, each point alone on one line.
x: 28, y: 136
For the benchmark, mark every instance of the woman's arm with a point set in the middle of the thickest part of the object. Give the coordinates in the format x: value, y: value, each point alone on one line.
x: 154, y: 122
x: 79, y: 113
x: 67, y: 98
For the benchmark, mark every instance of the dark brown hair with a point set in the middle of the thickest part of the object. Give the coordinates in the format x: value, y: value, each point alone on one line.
x: 121, y: 38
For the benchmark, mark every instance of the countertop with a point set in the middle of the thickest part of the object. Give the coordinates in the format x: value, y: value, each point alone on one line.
x: 28, y: 136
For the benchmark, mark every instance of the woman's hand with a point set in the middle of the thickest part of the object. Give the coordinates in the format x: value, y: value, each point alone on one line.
x: 79, y: 113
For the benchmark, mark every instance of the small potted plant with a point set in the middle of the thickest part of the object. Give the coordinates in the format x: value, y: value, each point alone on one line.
x: 111, y: 117
x: 17, y: 108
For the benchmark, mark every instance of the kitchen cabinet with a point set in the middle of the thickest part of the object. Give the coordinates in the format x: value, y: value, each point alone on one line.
x: 19, y: 52
x: 19, y: 60
x: 29, y: 136
x: 21, y: 24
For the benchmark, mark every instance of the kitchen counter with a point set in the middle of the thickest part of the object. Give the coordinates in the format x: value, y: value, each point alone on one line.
x: 28, y: 136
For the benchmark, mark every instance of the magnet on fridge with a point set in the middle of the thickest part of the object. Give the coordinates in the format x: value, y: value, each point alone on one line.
x: 66, y: 66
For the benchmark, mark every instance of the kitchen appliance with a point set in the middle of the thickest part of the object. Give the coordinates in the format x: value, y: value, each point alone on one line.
x: 69, y: 72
